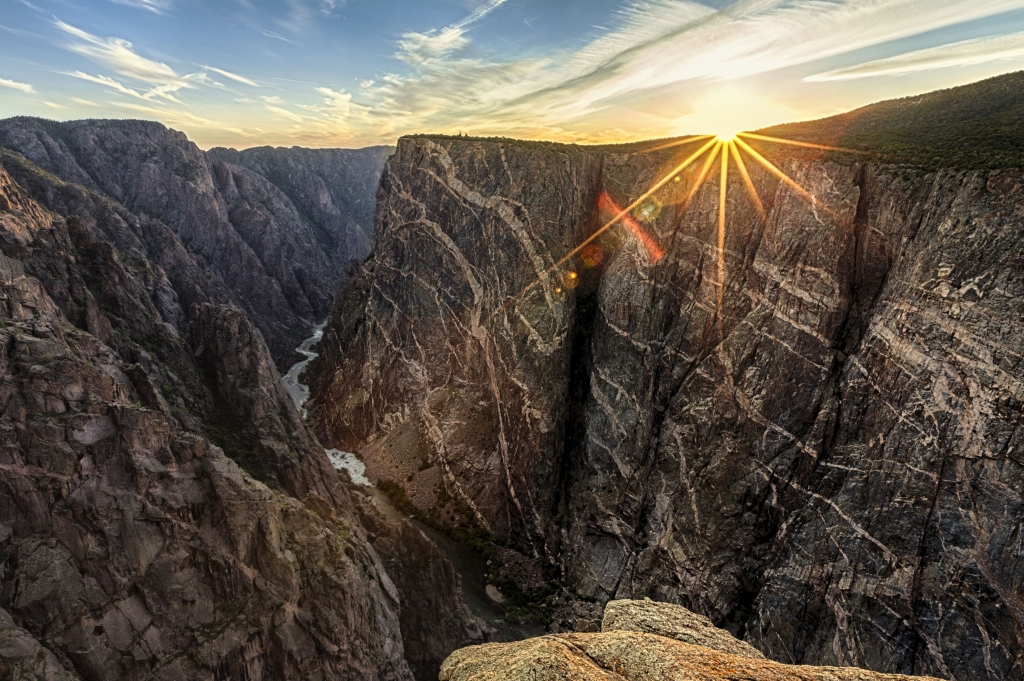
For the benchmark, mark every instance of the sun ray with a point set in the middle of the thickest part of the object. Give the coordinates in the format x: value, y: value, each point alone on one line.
x: 723, y: 195
x: 778, y: 173
x: 611, y: 223
x: 678, y: 143
x: 747, y: 181
x: 704, y: 172
x: 808, y: 145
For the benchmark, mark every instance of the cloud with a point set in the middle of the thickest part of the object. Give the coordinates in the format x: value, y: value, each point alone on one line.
x: 54, y: 105
x: 277, y: 36
x: 652, y: 47
x: 155, y: 6
x: 173, y: 116
x: 290, y: 115
x: 964, y: 53
x: 118, y: 56
x: 161, y: 91
x: 233, y: 76
x: 416, y: 48
x: 15, y: 85
x: 478, y: 14
x: 83, y: 102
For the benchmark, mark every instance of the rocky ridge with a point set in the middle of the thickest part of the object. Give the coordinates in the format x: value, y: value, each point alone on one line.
x: 131, y: 546
x: 222, y: 233
x: 825, y: 461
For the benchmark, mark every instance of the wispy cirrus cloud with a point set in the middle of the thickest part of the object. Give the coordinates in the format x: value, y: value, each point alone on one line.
x: 15, y: 85
x: 416, y: 48
x: 652, y: 46
x: 233, y: 76
x: 951, y: 55
x: 155, y: 6
x: 120, y: 56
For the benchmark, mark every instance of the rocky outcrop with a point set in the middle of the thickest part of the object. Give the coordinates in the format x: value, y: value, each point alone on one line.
x: 131, y: 546
x: 824, y: 460
x: 675, y: 622
x: 636, y: 653
x: 222, y: 233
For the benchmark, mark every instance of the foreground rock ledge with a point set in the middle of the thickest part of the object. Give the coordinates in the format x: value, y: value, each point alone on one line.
x: 630, y: 655
x: 642, y: 641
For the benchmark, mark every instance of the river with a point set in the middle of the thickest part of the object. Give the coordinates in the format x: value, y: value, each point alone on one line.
x: 299, y: 392
x: 470, y: 565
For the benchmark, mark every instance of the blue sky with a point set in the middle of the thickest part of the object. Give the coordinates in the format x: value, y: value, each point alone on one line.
x: 243, y: 73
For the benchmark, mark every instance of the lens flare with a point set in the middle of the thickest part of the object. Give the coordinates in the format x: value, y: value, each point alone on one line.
x: 654, y: 251
x: 726, y: 145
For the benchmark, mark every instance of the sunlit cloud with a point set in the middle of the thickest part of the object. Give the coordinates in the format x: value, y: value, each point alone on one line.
x: 290, y: 115
x: 417, y: 48
x: 233, y: 76
x: 749, y: 38
x: 172, y: 116
x: 15, y: 85
x: 161, y: 91
x: 118, y: 56
x: 54, y: 105
x: 963, y: 53
x: 83, y: 102
x: 653, y: 68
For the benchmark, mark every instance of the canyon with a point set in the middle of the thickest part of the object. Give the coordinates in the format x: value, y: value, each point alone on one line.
x: 822, y: 455
x: 164, y: 510
x: 780, y: 444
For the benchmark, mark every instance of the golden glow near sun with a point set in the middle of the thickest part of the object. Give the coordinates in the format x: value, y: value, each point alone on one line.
x: 728, y: 146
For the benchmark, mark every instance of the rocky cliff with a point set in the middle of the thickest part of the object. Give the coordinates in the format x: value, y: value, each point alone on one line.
x: 821, y: 455
x: 222, y: 232
x: 131, y: 546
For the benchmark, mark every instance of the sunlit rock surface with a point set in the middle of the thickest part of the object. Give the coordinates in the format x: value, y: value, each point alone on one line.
x: 643, y: 651
x: 828, y: 465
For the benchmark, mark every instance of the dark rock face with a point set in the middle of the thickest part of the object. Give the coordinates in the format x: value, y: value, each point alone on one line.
x: 434, y: 619
x: 333, y: 189
x: 130, y: 545
x: 824, y: 461
x: 244, y: 240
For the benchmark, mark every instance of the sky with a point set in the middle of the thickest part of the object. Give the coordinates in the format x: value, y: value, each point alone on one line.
x: 352, y: 73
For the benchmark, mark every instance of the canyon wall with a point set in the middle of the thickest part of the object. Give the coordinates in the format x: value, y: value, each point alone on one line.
x: 131, y: 544
x: 821, y: 454
x: 223, y: 233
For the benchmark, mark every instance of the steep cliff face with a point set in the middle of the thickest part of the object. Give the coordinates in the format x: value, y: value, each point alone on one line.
x: 333, y: 189
x: 252, y: 246
x: 452, y: 252
x: 130, y: 545
x: 820, y: 455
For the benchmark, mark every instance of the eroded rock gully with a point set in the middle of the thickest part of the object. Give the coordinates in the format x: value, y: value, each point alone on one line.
x: 828, y: 463
x: 131, y: 546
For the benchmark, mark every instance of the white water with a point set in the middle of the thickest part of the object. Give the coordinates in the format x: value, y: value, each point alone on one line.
x: 300, y: 393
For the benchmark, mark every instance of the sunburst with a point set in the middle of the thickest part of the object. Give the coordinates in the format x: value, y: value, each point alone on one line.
x: 728, y: 148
